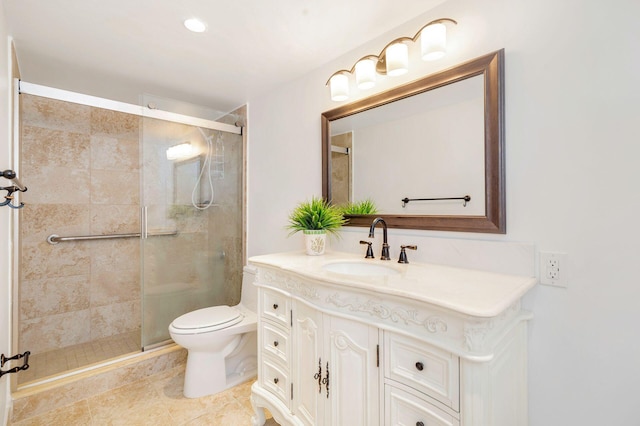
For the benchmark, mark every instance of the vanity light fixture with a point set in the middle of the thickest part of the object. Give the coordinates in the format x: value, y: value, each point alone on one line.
x: 393, y: 60
x: 182, y: 151
x: 195, y: 25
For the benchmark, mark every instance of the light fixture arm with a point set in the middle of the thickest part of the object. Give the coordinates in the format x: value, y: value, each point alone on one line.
x: 373, y: 57
x: 339, y: 72
x: 398, y: 40
x: 435, y: 21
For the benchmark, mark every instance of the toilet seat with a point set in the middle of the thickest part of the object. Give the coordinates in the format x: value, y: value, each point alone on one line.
x: 207, y: 319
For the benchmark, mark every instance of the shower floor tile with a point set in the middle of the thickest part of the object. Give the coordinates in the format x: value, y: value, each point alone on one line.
x: 156, y: 400
x: 57, y: 361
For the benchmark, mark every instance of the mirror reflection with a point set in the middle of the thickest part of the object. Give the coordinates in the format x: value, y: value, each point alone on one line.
x: 430, y: 145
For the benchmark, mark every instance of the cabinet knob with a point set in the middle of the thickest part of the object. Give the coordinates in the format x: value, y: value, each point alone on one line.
x: 420, y: 367
x: 275, y: 306
x: 419, y: 424
x: 275, y: 343
x: 276, y: 380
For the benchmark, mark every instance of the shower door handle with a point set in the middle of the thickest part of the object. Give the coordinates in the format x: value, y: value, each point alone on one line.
x: 144, y: 230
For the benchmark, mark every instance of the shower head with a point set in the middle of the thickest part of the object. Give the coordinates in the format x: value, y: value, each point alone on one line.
x: 11, y: 175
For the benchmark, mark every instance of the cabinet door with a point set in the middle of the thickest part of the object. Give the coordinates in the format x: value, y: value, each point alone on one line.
x: 307, y: 358
x: 352, y: 398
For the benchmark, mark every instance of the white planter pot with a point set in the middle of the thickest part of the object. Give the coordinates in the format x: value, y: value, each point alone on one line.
x: 315, y: 242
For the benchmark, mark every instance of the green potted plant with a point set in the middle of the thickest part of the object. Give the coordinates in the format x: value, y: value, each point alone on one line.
x: 315, y: 218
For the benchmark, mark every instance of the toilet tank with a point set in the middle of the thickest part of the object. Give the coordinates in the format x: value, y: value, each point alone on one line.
x: 249, y: 296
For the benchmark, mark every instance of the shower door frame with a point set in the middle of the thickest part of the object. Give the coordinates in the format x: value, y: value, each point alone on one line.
x: 22, y: 87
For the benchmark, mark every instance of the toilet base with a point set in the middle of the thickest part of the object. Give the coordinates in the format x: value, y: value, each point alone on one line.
x: 210, y: 373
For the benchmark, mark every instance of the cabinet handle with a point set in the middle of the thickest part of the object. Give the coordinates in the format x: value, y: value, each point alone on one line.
x: 325, y: 381
x: 420, y: 367
x: 275, y: 306
x: 419, y: 424
x: 276, y: 380
x: 318, y: 376
x: 275, y: 343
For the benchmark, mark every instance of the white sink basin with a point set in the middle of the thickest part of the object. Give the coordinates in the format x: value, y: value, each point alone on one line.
x: 359, y: 268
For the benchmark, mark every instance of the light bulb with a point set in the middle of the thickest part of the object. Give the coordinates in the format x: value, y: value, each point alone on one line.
x: 339, y: 84
x: 397, y: 59
x: 366, y: 74
x: 433, y: 40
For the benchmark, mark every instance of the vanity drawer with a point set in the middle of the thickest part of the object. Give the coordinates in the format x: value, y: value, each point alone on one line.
x: 275, y: 379
x: 275, y: 307
x: 275, y: 341
x: 424, y: 367
x: 403, y: 408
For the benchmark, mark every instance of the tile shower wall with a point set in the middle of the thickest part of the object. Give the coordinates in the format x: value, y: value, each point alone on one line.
x: 81, y: 167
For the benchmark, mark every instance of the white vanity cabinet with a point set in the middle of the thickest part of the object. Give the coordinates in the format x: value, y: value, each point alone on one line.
x: 339, y: 349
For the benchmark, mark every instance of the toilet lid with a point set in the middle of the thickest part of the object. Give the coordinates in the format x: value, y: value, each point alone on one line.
x: 221, y: 316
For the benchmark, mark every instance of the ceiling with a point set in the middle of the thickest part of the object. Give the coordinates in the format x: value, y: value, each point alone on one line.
x: 249, y: 48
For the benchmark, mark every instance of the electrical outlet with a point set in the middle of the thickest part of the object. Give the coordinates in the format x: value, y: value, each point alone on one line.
x: 553, y: 269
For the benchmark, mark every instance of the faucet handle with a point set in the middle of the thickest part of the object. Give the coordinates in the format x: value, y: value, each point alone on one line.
x: 403, y: 253
x: 369, y: 250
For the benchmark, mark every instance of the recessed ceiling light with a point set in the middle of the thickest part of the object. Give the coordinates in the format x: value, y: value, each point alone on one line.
x: 195, y: 25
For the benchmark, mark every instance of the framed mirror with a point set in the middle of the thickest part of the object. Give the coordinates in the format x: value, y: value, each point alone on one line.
x: 429, y: 154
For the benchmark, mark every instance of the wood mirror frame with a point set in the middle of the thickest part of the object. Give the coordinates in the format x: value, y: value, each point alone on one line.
x: 491, y: 66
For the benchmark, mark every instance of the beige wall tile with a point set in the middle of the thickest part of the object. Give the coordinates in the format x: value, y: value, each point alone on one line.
x: 55, y: 185
x: 115, y: 255
x: 42, y: 260
x: 116, y: 318
x: 54, y: 331
x: 114, y: 124
x: 41, y: 146
x: 115, y: 286
x: 38, y: 221
x: 109, y: 187
x: 111, y: 153
x: 54, y: 114
x: 115, y: 219
x: 49, y: 296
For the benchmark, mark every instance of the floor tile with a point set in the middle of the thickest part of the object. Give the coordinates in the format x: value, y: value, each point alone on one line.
x: 156, y: 400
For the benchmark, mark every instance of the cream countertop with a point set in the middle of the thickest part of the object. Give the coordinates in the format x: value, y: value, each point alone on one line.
x: 467, y: 291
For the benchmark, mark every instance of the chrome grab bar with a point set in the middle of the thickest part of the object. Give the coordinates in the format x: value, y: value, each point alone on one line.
x: 55, y: 239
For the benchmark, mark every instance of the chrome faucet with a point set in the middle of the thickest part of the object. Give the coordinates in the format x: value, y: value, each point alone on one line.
x: 385, y: 245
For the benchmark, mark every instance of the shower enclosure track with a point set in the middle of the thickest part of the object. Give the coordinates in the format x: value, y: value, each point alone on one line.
x: 55, y: 239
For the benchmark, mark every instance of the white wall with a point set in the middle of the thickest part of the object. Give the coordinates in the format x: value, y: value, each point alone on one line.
x: 572, y: 103
x: 5, y: 212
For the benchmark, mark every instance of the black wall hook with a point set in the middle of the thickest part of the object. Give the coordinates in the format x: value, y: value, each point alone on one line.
x: 17, y: 186
x: 24, y: 366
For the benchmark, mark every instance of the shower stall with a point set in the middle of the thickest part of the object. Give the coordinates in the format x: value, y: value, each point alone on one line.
x: 133, y: 216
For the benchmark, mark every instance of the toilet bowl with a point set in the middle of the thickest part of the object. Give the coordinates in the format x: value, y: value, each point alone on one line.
x: 221, y: 342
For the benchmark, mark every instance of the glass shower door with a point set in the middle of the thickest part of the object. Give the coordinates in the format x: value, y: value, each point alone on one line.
x: 192, y: 223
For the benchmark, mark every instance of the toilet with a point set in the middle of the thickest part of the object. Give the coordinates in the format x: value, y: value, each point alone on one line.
x: 221, y: 342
